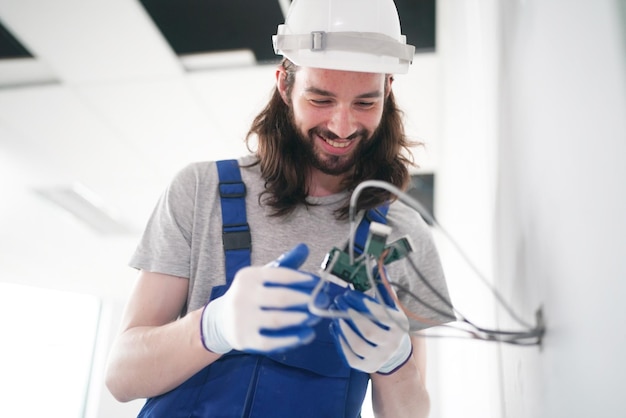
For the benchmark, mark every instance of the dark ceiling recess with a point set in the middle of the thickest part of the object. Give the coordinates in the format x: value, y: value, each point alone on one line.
x: 422, y: 189
x: 417, y: 19
x: 201, y: 26
x: 10, y: 47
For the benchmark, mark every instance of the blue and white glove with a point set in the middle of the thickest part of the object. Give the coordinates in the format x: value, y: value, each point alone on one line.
x: 264, y: 310
x: 375, y: 337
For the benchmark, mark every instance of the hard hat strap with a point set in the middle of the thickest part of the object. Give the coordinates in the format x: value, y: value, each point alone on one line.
x: 365, y: 42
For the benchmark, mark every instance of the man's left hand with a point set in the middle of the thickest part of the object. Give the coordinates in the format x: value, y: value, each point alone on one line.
x: 375, y: 336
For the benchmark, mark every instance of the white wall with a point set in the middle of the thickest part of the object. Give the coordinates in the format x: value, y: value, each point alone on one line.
x: 561, y: 204
x: 531, y: 184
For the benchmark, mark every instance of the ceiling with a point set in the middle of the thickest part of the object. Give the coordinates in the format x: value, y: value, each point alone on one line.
x: 114, y: 97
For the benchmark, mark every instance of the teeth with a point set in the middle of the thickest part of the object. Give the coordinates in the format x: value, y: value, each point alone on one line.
x: 337, y: 144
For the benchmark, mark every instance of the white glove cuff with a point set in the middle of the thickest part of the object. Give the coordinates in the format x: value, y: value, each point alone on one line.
x: 210, y: 333
x: 400, y: 356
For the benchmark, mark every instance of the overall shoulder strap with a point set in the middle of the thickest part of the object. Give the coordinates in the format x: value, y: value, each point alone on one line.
x: 378, y: 214
x: 236, y: 236
x: 235, y: 229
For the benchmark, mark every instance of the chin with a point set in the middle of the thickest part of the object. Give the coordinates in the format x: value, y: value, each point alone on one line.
x: 334, y: 165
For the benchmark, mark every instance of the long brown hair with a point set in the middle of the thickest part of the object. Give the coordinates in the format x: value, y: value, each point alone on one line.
x: 283, y: 167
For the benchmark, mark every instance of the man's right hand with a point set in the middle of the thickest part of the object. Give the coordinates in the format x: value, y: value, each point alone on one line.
x: 264, y: 310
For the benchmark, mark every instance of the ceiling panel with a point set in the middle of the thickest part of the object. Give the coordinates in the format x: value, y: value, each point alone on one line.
x: 86, y: 42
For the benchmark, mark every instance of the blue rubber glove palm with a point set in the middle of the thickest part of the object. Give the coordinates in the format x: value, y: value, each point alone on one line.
x: 264, y: 310
x: 375, y: 337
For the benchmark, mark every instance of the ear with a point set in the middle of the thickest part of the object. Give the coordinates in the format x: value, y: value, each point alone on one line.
x: 388, y: 83
x: 281, y: 84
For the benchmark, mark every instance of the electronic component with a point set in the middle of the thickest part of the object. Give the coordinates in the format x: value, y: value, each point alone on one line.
x: 340, y: 264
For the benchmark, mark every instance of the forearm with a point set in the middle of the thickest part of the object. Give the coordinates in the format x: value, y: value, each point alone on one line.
x: 148, y: 361
x: 402, y: 393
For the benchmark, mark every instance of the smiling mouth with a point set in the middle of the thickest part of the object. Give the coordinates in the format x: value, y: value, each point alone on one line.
x: 337, y: 144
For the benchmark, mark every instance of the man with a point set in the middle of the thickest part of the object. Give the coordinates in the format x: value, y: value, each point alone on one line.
x: 197, y: 344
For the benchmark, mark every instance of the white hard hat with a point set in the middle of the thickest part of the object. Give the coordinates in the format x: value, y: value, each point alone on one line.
x: 350, y: 35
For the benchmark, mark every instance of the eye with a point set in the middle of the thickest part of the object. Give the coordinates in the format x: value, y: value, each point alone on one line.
x: 365, y: 104
x: 320, y: 102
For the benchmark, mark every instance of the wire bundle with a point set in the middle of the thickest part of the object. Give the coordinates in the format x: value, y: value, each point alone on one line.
x: 528, y: 335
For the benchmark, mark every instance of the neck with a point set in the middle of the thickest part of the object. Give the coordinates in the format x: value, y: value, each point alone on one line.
x: 320, y: 184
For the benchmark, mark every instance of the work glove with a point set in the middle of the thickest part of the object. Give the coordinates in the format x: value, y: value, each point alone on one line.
x: 374, y: 337
x: 264, y: 310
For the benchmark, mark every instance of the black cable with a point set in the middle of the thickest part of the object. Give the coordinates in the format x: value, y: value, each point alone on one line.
x: 418, y: 299
x: 534, y: 334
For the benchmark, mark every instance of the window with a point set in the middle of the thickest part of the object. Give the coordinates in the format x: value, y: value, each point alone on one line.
x: 48, y: 340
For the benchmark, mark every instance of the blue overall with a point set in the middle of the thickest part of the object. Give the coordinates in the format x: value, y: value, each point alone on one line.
x: 308, y: 381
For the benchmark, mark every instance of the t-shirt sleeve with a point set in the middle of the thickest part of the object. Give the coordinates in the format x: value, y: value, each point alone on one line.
x: 166, y: 241
x: 419, y: 278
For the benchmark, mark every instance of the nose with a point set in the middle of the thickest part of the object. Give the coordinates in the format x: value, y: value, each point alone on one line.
x: 343, y: 122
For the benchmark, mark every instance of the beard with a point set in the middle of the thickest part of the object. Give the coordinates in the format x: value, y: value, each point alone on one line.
x: 334, y: 165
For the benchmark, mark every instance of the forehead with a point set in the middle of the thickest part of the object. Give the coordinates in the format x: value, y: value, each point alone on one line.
x: 339, y: 83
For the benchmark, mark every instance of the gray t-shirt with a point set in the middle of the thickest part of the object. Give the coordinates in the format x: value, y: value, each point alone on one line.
x: 183, y: 238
